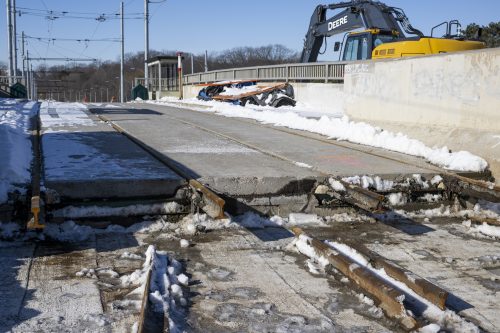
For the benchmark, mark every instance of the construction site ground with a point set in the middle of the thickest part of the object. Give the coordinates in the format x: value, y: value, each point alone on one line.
x: 242, y: 277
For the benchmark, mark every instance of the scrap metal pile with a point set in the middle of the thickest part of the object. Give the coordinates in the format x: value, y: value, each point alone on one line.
x: 243, y: 92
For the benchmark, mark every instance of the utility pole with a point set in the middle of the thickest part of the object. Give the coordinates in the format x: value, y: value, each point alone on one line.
x: 146, y: 42
x: 22, y: 51
x: 14, y: 35
x: 28, y: 77
x: 9, y: 32
x: 122, y: 54
x: 206, y: 61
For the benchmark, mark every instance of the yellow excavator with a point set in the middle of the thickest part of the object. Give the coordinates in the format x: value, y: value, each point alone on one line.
x: 382, y: 35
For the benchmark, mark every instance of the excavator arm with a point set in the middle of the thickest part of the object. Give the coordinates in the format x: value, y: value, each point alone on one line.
x: 356, y: 14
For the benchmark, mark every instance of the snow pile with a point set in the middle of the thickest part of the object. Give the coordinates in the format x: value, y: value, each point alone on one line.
x: 366, y: 182
x: 165, y: 293
x: 484, y: 229
x: 15, y: 145
x: 341, y: 128
x: 231, y: 91
x: 336, y: 185
x: 447, y: 320
x: 100, y: 211
x: 58, y: 114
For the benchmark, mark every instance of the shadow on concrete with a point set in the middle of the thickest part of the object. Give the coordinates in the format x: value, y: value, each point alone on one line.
x: 13, y: 289
x: 119, y: 110
x: 404, y: 224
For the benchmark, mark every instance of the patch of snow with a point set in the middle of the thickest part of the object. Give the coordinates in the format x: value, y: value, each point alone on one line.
x: 15, y: 147
x: 131, y: 256
x: 436, y: 180
x: 303, y: 165
x: 59, y: 114
x: 397, y: 199
x: 73, y: 212
x: 336, y: 185
x: 356, y: 132
x: 183, y: 279
x: 486, y: 229
x: 184, y: 243
x: 302, y: 219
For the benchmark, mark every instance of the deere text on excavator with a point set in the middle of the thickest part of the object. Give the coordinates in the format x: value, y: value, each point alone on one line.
x: 383, y: 35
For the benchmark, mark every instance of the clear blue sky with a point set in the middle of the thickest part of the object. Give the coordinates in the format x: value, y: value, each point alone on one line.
x: 198, y: 25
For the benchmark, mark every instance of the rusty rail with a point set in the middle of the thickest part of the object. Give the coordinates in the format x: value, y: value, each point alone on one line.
x: 419, y: 285
x: 388, y: 296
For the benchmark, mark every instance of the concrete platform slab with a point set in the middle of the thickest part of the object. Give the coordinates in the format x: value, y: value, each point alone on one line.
x: 221, y: 151
x: 224, y: 165
x: 85, y: 158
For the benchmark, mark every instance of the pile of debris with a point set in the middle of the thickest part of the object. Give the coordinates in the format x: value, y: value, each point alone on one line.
x: 243, y: 92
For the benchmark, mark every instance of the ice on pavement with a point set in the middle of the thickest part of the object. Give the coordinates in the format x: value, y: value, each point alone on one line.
x: 340, y: 127
x: 73, y: 115
x: 15, y: 145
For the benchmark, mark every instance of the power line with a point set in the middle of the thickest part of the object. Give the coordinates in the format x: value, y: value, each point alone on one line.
x: 53, y: 39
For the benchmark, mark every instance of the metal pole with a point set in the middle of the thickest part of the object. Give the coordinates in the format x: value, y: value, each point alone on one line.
x: 22, y: 51
x: 206, y: 61
x: 146, y: 42
x: 14, y: 35
x: 28, y: 82
x: 9, y: 33
x: 33, y: 93
x: 122, y: 54
x: 179, y: 70
x: 107, y: 94
x: 192, y: 64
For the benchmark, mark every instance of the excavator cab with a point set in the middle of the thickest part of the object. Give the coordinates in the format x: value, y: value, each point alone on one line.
x: 360, y: 45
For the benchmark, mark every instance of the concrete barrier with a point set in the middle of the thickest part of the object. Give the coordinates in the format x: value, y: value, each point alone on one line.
x: 448, y: 99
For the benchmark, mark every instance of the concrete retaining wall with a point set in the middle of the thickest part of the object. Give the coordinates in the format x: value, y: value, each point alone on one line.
x: 453, y: 90
x: 449, y: 99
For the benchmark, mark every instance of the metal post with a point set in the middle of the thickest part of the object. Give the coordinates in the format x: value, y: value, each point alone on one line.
x: 158, y: 96
x: 22, y: 52
x: 33, y: 93
x: 206, y: 61
x: 14, y: 35
x: 28, y: 81
x: 107, y: 94
x: 146, y: 42
x: 9, y: 33
x: 179, y: 70
x: 122, y: 54
x: 192, y: 64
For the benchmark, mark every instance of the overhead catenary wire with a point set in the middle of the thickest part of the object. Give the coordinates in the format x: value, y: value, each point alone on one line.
x: 59, y: 39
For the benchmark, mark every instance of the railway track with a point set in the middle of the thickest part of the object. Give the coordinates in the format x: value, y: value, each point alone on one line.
x: 368, y: 195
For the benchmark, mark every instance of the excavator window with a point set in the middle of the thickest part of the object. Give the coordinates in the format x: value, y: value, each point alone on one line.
x: 358, y: 47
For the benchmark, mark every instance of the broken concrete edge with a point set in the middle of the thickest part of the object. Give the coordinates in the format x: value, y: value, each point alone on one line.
x: 208, y: 195
x: 387, y: 295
